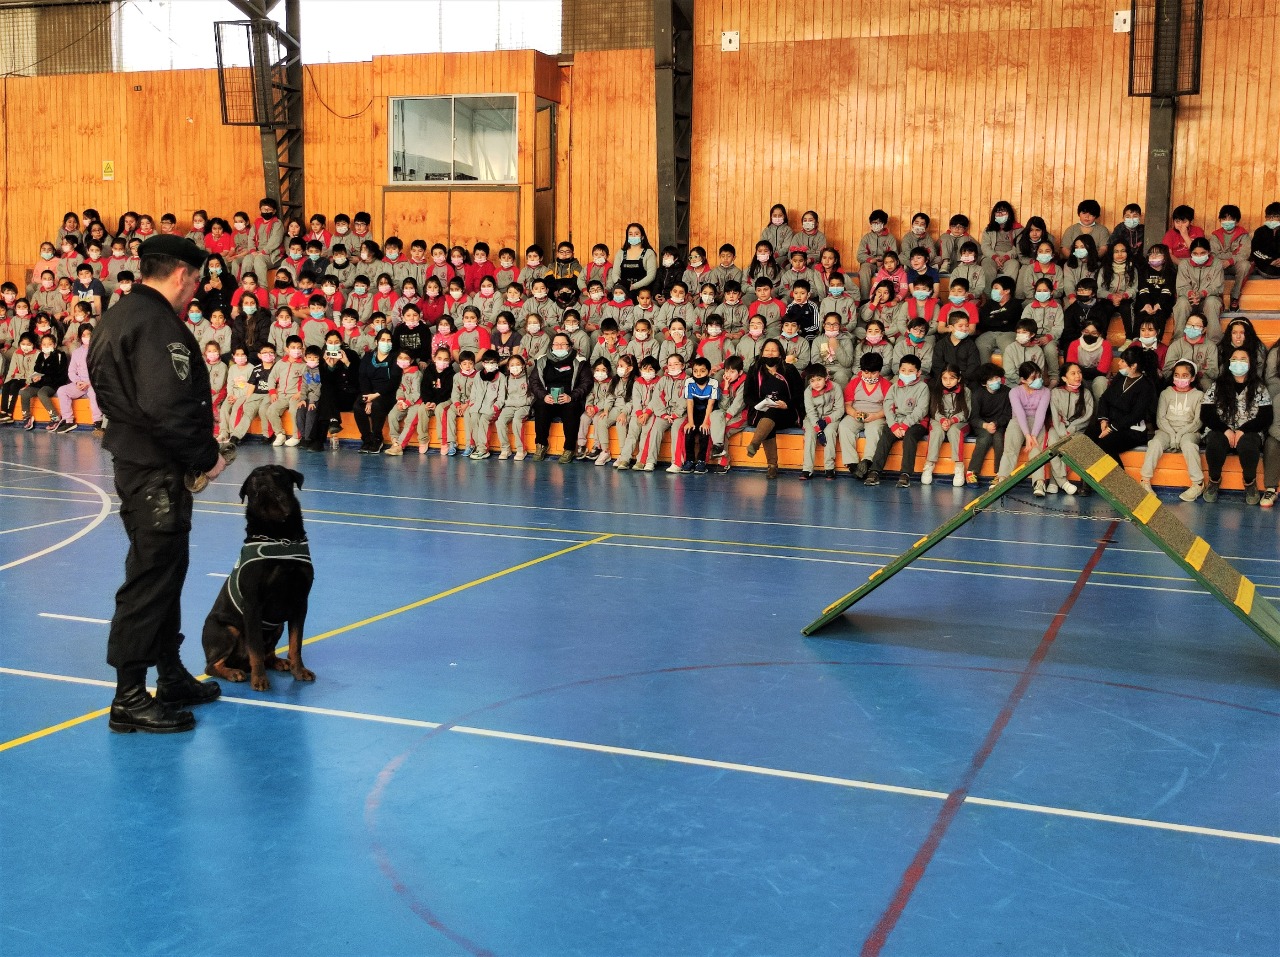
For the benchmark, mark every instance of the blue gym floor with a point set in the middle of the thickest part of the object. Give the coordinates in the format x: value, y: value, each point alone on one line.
x: 566, y: 711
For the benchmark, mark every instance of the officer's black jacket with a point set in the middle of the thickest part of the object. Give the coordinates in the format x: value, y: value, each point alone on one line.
x: 152, y: 385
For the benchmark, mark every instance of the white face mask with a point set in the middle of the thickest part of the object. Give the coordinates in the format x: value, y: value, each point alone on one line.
x: 709, y: 297
x: 668, y: 261
x: 641, y: 336
x: 601, y: 375
x: 762, y: 257
x: 1023, y: 338
x: 907, y: 378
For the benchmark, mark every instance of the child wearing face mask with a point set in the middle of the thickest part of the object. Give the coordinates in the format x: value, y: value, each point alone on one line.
x: 949, y: 404
x: 505, y: 339
x: 764, y: 265
x: 1178, y: 427
x: 955, y: 346
x: 487, y: 302
x: 317, y: 324
x: 700, y: 394
x: 728, y: 414
x: 1125, y: 413
x: 1070, y: 412
x: 623, y: 386
x: 670, y: 271
x: 535, y: 341
x: 238, y: 388
x: 597, y: 415
x: 918, y: 342
x: 455, y: 300
x: 21, y: 368
x: 1046, y: 313
x: 285, y: 392
x: 308, y: 423
x: 873, y: 247
x: 512, y: 406
x: 48, y: 375
x: 471, y: 335
x: 437, y: 389
x: 698, y: 270
x: 1027, y: 430
x: 46, y: 297
x: 643, y: 345
x: 677, y: 342
x: 1023, y: 349
x: 217, y: 370
x: 405, y: 418
x: 1229, y: 245
x: 676, y: 306
x: 597, y: 268
x: 823, y: 410
x: 968, y: 266
x: 643, y: 394
x: 669, y: 411
x: 906, y: 410
x: 991, y: 414
x: 714, y: 346
x: 1264, y: 245
x: 749, y: 346
x: 571, y: 326
x: 1150, y: 342
x: 1130, y: 231
x: 216, y: 331
x: 1200, y: 288
x: 733, y: 311
x: 1193, y: 346
x: 893, y: 272
x: 840, y: 301
x: 594, y: 304
x: 777, y: 232
x: 874, y: 340
x: 466, y: 390
x: 282, y: 329
x: 917, y: 238
x: 810, y: 237
x: 1044, y: 265
x: 1091, y: 353
x: 1237, y: 413
x: 485, y: 408
x: 922, y: 304
x: 1157, y: 289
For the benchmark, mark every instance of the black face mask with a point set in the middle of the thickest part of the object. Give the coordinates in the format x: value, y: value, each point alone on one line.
x: 1089, y: 340
x: 701, y: 380
x: 282, y: 284
x: 772, y: 362
x: 1084, y: 300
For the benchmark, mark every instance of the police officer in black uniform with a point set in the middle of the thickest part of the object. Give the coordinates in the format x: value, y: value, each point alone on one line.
x: 152, y: 384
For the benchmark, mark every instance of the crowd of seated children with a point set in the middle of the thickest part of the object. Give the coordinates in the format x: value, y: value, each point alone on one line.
x: 323, y: 319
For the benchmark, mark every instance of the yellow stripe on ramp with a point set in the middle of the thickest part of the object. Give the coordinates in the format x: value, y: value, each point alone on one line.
x: 1198, y: 552
x: 1101, y: 468
x: 1146, y: 508
x: 1244, y: 595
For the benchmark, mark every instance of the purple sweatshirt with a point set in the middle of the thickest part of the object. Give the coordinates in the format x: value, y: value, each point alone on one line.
x: 1029, y: 408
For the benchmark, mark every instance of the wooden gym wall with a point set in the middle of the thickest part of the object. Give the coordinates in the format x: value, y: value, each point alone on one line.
x: 843, y: 106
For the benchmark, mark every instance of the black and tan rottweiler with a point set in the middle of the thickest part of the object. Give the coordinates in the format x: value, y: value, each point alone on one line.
x: 267, y: 589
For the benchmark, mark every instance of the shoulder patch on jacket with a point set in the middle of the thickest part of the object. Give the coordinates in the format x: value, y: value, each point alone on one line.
x: 180, y: 355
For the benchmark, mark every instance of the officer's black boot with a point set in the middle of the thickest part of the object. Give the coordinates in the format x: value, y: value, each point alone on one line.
x: 133, y: 708
x: 177, y: 687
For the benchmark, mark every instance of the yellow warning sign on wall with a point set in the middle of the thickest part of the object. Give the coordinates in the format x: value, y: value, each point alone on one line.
x: 108, y: 169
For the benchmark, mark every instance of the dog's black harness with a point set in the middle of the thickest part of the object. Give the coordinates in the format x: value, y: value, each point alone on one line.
x: 257, y: 550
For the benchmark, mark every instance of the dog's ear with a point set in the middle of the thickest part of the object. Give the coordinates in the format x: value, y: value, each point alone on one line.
x: 244, y: 489
x: 296, y: 476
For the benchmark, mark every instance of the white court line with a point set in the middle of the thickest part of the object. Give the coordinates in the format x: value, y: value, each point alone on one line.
x: 754, y: 769
x: 56, y: 521
x: 103, y: 512
x: 91, y: 621
x: 782, y: 557
x: 217, y: 575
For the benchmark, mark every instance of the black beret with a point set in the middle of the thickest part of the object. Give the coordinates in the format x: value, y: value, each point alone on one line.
x: 177, y: 247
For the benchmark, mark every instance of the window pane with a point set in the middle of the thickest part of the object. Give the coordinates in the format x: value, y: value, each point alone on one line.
x: 485, y: 138
x: 421, y: 139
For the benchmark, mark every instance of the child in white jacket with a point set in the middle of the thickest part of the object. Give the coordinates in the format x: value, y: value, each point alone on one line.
x: 1178, y: 427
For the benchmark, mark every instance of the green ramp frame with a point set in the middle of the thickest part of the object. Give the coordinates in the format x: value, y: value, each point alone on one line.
x: 1134, y: 503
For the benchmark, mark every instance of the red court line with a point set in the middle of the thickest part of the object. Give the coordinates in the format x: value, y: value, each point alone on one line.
x: 875, y: 941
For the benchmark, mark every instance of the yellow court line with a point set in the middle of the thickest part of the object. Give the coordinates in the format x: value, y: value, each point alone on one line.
x: 54, y: 729
x: 712, y: 541
x: 45, y: 732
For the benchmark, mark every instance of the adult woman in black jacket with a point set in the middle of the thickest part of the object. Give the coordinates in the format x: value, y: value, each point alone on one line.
x: 48, y: 376
x: 379, y: 379
x: 1236, y: 414
x: 564, y: 370
x: 770, y: 377
x: 216, y: 286
x: 339, y: 386
x: 1126, y: 412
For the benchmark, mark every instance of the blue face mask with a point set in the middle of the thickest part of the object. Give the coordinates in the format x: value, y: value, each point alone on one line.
x: 1272, y: 224
x: 997, y: 295
x: 1132, y: 222
x: 1192, y: 333
x: 920, y: 294
x: 836, y: 290
x: 960, y: 334
x: 957, y: 300
x: 633, y: 240
x: 1036, y: 383
x: 915, y: 337
x: 1043, y: 295
x: 1080, y: 253
x: 1228, y: 224
x: 1238, y: 367
x: 908, y: 378
x: 1044, y: 258
x: 993, y: 385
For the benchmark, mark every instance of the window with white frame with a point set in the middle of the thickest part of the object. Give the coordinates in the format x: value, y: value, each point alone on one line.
x: 453, y: 139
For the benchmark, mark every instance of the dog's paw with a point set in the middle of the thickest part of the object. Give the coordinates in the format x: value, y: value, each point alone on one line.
x: 260, y: 683
x: 303, y: 674
x: 278, y: 664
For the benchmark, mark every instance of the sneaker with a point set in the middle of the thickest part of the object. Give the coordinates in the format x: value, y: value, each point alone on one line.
x: 1211, y: 491
x: 603, y: 457
x: 715, y: 468
x: 700, y: 468
x: 98, y: 430
x: 1146, y: 484
x: 957, y: 480
x: 394, y: 449
x: 5, y: 418
x: 1268, y: 498
x: 68, y: 425
x: 621, y: 464
x: 1071, y: 488
x: 520, y: 456
x: 1193, y: 492
x: 771, y: 472
x: 423, y: 449
x: 566, y: 456
x: 647, y: 467
x: 970, y: 478
x: 451, y: 450
x: 1052, y: 488
x: 53, y: 425
x: 926, y: 477
x: 540, y: 453
x: 687, y: 467
x: 1037, y: 488
x: 504, y: 455
x: 872, y: 478
x: 862, y: 469
x: 480, y: 454
x: 997, y: 480
x: 580, y: 454
x: 904, y: 480
x: 677, y: 469
x: 717, y: 451
x: 293, y: 441
x: 805, y: 476
x: 1252, y: 496
x: 29, y: 424
x: 278, y: 441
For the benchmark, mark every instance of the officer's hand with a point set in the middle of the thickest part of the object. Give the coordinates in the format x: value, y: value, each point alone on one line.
x: 214, y: 472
